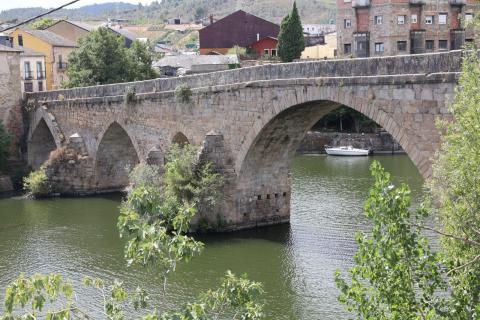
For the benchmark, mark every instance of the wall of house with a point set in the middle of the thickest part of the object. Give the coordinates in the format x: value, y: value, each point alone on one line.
x: 60, y: 74
x: 33, y: 67
x: 41, y: 46
x: 68, y: 31
x: 265, y: 44
x: 322, y: 51
x: 10, y: 98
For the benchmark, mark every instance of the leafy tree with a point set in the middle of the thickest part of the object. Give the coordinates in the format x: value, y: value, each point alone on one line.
x: 5, y: 140
x: 455, y: 187
x: 157, y: 213
x: 396, y: 276
x: 102, y: 59
x: 290, y: 40
x: 43, y: 23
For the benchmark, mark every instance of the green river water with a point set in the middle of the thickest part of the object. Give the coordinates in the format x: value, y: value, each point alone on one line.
x: 296, y: 262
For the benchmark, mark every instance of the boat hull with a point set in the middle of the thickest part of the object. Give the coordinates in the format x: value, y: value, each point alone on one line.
x: 346, y: 152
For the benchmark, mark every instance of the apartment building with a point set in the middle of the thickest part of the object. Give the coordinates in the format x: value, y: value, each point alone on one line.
x: 32, y: 70
x: 390, y: 27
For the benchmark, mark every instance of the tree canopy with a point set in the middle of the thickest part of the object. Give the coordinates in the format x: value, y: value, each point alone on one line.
x: 102, y: 58
x: 290, y: 40
x: 43, y: 23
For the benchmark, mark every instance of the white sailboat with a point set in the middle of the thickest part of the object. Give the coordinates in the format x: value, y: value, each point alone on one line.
x: 346, y: 151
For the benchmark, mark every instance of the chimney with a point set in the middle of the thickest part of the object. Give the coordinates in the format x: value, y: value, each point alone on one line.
x: 211, y: 19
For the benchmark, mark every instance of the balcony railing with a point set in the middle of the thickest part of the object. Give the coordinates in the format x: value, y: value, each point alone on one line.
x: 62, y: 65
x: 458, y: 2
x: 360, y: 3
x: 417, y: 2
x: 40, y: 75
x: 28, y: 75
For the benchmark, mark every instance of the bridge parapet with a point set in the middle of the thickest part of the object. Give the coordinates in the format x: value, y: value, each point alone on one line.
x: 445, y: 62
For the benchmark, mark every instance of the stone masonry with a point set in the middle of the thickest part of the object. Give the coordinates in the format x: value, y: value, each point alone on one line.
x: 249, y: 123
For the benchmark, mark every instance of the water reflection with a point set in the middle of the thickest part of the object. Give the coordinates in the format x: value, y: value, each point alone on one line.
x: 296, y: 262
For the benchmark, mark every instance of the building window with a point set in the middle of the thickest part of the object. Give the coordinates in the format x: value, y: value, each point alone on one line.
x: 429, y: 45
x: 347, y: 23
x: 401, y: 19
x: 274, y: 52
x: 442, y: 44
x: 378, y: 20
x: 20, y: 40
x: 413, y: 18
x: 468, y: 17
x: 40, y: 85
x: 347, y: 48
x: 27, y: 70
x: 429, y: 19
x: 266, y: 52
x: 379, y: 47
x: 402, y: 46
x: 442, y: 18
x: 40, y: 74
x: 469, y: 40
x: 28, y: 86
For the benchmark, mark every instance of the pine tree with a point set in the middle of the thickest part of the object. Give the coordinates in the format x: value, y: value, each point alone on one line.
x: 290, y: 41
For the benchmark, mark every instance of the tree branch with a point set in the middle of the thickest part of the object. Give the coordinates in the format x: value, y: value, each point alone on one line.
x: 463, y: 266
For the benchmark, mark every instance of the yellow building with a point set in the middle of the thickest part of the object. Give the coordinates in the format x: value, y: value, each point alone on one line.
x: 55, y: 48
x: 322, y: 51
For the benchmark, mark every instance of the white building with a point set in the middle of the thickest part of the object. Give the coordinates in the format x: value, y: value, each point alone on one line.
x: 32, y: 70
x: 318, y: 29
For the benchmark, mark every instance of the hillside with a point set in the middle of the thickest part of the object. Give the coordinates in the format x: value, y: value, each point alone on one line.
x: 94, y: 11
x: 311, y: 11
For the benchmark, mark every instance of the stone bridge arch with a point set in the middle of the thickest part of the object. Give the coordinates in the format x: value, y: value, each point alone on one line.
x: 262, y: 162
x: 115, y: 157
x: 43, y: 138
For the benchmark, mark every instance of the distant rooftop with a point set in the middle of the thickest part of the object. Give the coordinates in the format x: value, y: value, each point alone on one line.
x: 27, y: 52
x: 186, y: 61
x: 50, y: 37
x: 123, y: 32
x: 79, y: 24
x: 8, y: 49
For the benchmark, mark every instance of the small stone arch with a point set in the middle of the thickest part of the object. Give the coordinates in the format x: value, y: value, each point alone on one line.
x: 40, y: 144
x: 156, y: 156
x: 180, y: 139
x: 116, y: 156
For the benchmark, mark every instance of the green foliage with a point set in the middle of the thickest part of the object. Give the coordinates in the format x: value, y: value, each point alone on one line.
x: 144, y: 174
x: 343, y: 116
x: 52, y: 298
x: 183, y: 92
x: 102, y: 59
x: 5, y: 140
x: 37, y: 184
x: 36, y: 294
x: 157, y: 213
x: 455, y: 187
x: 236, y: 297
x: 396, y: 276
x: 290, y: 40
x: 43, y: 23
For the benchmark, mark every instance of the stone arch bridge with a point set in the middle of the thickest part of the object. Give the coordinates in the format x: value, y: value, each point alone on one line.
x: 249, y: 122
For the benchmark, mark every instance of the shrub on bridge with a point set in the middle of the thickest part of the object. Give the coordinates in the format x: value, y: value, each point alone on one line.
x: 183, y: 93
x: 37, y: 184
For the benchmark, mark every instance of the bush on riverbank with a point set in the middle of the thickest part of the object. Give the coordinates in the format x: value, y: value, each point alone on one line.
x: 37, y: 184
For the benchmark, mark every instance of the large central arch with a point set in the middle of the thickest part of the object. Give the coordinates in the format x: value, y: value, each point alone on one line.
x: 116, y: 157
x: 263, y: 163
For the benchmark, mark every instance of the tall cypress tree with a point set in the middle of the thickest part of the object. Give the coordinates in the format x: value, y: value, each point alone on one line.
x: 290, y: 41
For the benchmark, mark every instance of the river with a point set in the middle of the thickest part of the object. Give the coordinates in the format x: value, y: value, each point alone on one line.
x: 296, y: 262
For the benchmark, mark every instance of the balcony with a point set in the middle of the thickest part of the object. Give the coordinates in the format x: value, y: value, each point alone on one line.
x: 417, y: 2
x: 62, y: 66
x: 360, y: 3
x: 458, y: 3
x: 28, y: 75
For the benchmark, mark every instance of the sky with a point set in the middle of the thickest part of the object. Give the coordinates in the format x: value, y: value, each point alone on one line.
x: 6, y: 4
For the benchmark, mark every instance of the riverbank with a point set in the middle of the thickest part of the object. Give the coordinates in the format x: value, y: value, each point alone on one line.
x: 379, y: 143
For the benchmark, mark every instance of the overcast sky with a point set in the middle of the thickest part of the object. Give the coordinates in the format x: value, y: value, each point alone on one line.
x: 6, y: 4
